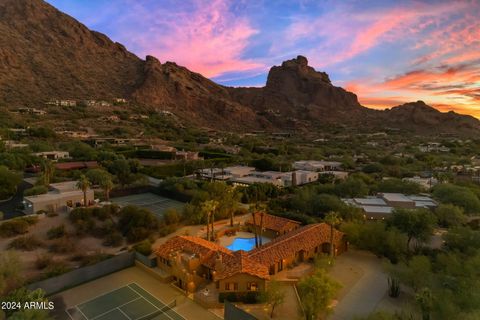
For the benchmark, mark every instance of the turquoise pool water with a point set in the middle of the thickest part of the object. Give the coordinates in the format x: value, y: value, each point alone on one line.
x: 245, y: 244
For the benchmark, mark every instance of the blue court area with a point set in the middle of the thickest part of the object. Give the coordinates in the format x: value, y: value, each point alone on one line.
x: 130, y: 302
x: 155, y: 203
x: 245, y: 244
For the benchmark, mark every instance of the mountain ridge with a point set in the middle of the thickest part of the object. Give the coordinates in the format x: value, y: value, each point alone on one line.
x: 46, y: 54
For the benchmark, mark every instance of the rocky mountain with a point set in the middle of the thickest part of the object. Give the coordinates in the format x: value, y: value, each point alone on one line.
x: 46, y: 54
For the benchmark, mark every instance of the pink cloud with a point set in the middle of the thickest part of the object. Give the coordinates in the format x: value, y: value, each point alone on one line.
x: 209, y: 39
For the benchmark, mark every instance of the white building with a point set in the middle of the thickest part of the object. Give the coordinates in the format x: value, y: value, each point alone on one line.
x: 61, y: 197
x: 426, y: 183
x: 53, y: 155
x: 315, y: 165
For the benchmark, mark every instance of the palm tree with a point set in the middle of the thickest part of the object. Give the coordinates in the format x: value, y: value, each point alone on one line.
x: 209, y: 207
x: 83, y: 184
x: 332, y: 219
x: 107, y: 185
x: 262, y: 213
x: 253, y: 210
x: 48, y: 169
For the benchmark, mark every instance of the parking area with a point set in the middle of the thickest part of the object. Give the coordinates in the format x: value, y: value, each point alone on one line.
x: 155, y: 203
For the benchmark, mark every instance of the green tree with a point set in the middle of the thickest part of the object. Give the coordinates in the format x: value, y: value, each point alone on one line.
x: 10, y: 272
x: 449, y: 215
x: 424, y: 300
x: 84, y: 184
x: 208, y: 208
x: 333, y: 220
x: 274, y: 295
x: 23, y: 295
x: 9, y: 180
x: 316, y: 293
x: 457, y: 195
x: 137, y: 223
x: 415, y: 223
x: 48, y: 172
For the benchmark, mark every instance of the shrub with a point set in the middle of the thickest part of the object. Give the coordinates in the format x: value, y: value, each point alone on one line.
x: 171, y: 216
x: 113, y: 239
x: 35, y: 191
x: 87, y: 260
x: 43, y: 261
x: 56, y: 232
x: 13, y: 227
x: 56, y: 268
x: 137, y: 223
x: 144, y: 247
x: 63, y: 245
x: 26, y: 243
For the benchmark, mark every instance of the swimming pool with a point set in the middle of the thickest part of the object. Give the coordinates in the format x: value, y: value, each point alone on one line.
x: 245, y: 244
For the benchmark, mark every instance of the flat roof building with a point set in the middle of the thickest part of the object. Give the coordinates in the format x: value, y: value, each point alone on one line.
x: 62, y: 196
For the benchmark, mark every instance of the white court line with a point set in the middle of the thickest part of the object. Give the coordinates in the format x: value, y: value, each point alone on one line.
x: 152, y: 303
x: 98, y: 316
x: 124, y: 313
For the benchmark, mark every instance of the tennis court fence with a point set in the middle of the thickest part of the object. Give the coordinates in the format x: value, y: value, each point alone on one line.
x: 88, y: 273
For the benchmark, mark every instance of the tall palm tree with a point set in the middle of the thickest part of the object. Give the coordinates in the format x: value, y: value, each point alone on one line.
x: 83, y: 184
x: 209, y: 207
x: 48, y: 169
x: 107, y: 185
x: 333, y: 220
x: 260, y: 238
x: 253, y: 210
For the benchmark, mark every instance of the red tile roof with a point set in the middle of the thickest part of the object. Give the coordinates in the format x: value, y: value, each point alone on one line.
x: 274, y: 223
x: 304, y: 238
x: 76, y: 165
x: 240, y: 262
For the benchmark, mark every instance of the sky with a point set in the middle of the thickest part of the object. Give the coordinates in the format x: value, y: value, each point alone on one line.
x: 387, y: 52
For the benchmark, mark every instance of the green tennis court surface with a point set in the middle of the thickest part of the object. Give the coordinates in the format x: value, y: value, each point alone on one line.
x: 131, y: 302
x: 155, y: 203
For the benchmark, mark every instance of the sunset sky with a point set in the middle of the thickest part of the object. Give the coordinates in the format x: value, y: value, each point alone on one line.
x: 387, y: 52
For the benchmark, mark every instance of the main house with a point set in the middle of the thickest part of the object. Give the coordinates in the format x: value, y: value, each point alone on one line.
x: 194, y: 262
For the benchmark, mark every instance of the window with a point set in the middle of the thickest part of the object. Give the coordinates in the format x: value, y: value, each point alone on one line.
x: 227, y: 286
x: 252, y: 286
x: 280, y: 266
x: 235, y: 286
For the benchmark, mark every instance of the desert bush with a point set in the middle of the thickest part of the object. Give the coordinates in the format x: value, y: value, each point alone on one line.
x: 13, y: 227
x: 113, y: 239
x: 144, y: 247
x: 62, y: 245
x: 26, y: 243
x: 56, y: 268
x: 43, y: 261
x: 171, y: 216
x: 56, y: 232
x: 90, y: 259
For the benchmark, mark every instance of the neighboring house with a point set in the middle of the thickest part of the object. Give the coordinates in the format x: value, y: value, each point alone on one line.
x: 186, y: 155
x: 426, y: 183
x: 194, y: 262
x: 61, y: 197
x: 53, y: 155
x: 226, y: 173
x: 273, y: 226
x: 314, y: 165
x: 382, y: 205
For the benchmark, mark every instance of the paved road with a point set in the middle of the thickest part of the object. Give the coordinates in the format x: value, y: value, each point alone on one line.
x: 367, y: 292
x: 9, y: 207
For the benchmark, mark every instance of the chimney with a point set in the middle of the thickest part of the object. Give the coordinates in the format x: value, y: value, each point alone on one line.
x: 294, y: 179
x: 219, y: 263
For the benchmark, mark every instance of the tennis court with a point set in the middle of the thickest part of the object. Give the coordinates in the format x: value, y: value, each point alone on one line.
x: 130, y: 302
x: 155, y: 203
